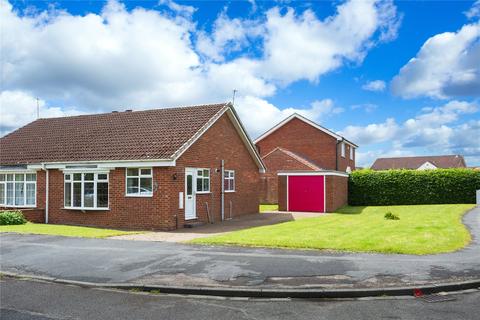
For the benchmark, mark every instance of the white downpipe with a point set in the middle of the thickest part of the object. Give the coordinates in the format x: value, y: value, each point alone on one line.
x: 223, y: 190
x: 46, y: 196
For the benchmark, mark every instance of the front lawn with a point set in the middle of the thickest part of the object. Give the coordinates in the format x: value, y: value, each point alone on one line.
x: 62, y: 230
x: 422, y: 229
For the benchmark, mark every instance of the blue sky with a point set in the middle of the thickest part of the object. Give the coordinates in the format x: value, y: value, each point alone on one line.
x: 396, y: 77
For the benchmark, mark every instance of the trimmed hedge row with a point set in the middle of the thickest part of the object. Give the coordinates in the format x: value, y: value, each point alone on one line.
x: 403, y: 187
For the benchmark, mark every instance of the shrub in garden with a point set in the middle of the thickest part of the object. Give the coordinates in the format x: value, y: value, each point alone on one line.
x: 406, y: 187
x: 12, y: 217
x: 391, y: 216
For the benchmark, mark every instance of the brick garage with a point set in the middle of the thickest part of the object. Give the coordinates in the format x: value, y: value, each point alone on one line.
x: 321, y: 191
x: 298, y: 143
x: 202, y: 138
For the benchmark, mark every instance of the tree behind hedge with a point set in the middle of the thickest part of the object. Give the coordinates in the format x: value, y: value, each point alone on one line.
x: 403, y: 187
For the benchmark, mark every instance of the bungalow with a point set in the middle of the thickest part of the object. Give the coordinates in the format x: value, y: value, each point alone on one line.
x: 420, y: 163
x: 155, y: 169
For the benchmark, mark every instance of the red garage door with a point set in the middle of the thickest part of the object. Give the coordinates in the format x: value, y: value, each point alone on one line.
x: 306, y: 193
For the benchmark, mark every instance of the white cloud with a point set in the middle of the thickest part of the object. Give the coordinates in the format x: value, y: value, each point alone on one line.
x: 300, y: 46
x: 372, y: 133
x: 228, y: 35
x: 17, y: 108
x: 180, y: 9
x: 448, y: 64
x: 143, y: 58
x: 474, y: 11
x: 368, y: 107
x: 375, y: 85
x: 435, y: 129
x: 262, y: 115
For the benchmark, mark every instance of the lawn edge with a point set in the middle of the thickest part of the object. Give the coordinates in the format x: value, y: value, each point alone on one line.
x: 202, y: 242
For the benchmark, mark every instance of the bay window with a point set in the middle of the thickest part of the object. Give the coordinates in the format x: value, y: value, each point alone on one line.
x: 139, y: 182
x: 18, y: 189
x: 86, y: 190
x: 229, y: 180
x: 203, y: 180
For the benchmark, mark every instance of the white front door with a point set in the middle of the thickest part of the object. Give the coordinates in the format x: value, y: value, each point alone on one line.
x: 190, y: 187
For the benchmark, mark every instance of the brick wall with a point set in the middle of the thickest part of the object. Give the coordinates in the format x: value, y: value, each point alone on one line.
x: 336, y: 192
x: 282, y: 193
x: 276, y: 161
x: 32, y: 215
x: 344, y: 162
x: 162, y: 211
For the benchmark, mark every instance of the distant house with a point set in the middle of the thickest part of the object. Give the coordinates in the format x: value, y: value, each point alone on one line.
x: 420, y: 163
x: 297, y: 143
x: 154, y: 169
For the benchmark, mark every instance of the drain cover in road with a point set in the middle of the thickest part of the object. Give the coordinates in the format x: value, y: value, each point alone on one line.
x: 436, y: 298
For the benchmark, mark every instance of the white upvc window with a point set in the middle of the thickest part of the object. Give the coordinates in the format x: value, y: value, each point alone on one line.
x: 229, y: 181
x: 351, y: 152
x: 18, y: 189
x: 86, y: 190
x: 139, y: 182
x: 343, y: 149
x: 203, y: 180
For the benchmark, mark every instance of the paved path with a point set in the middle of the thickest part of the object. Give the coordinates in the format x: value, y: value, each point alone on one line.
x: 47, y: 301
x: 102, y: 260
x: 208, y: 230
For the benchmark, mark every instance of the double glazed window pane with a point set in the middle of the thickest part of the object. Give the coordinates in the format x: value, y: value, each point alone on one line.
x: 31, y: 191
x: 68, y: 194
x: 2, y: 193
x: 77, y: 194
x: 132, y: 185
x: 145, y: 185
x: 19, y: 194
x: 10, y: 193
x: 88, y: 195
x: 102, y: 194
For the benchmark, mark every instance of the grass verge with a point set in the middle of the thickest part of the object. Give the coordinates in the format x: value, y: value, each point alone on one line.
x: 63, y: 230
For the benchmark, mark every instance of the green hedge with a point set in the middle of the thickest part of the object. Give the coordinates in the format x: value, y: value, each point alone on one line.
x: 402, y: 187
x: 11, y: 218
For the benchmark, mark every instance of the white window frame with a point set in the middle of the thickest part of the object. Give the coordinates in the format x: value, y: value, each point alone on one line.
x: 351, y: 152
x: 203, y: 178
x: 25, y: 182
x: 229, y: 175
x: 83, y: 181
x: 343, y: 149
x: 140, y: 175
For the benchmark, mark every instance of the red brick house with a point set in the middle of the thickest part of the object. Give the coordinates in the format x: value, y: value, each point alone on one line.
x: 298, y: 143
x: 420, y: 162
x: 154, y: 169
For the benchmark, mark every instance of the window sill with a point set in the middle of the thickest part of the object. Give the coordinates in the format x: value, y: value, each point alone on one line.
x: 138, y: 195
x: 87, y: 209
x: 229, y: 191
x: 17, y: 207
x: 203, y: 192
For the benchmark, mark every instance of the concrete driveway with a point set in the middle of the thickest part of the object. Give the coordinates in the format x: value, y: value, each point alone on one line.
x: 163, y: 263
x: 207, y: 230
